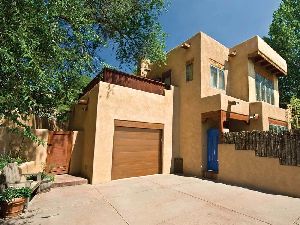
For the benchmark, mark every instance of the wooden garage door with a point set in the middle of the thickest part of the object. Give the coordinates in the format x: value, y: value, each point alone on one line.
x: 137, y: 152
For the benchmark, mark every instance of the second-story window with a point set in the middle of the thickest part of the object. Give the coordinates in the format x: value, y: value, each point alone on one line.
x: 217, y: 77
x: 189, y: 71
x: 264, y: 89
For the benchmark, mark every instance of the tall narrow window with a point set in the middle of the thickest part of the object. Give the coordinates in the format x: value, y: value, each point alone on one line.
x: 264, y: 89
x: 166, y: 77
x: 217, y: 78
x: 189, y: 71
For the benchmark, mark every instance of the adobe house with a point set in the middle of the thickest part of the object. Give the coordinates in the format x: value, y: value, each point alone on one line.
x: 134, y: 125
x: 228, y: 89
x: 126, y: 124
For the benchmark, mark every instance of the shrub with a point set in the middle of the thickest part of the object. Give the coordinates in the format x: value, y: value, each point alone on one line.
x: 10, y: 193
x: 6, y: 159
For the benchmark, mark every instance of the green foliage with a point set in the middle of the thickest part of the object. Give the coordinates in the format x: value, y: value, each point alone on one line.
x: 284, y: 37
x: 6, y: 159
x: 44, y: 176
x: 10, y: 193
x: 294, y: 108
x: 47, y: 49
x: 47, y: 176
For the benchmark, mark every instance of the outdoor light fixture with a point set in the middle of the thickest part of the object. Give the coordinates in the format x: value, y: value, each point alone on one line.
x: 232, y: 54
x: 185, y: 45
x: 83, y: 102
x: 233, y: 103
x: 254, y: 117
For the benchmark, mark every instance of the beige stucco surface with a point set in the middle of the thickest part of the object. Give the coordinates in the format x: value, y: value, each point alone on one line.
x: 107, y: 103
x: 242, y: 167
x: 33, y: 152
x: 122, y: 103
x: 83, y: 119
x: 197, y: 96
x: 241, y: 82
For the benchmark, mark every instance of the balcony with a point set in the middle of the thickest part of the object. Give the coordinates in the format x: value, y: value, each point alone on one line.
x: 127, y: 80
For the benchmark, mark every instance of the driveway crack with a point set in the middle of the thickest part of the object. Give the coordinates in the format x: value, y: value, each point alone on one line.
x: 223, y: 207
x: 114, y: 208
x: 220, y: 206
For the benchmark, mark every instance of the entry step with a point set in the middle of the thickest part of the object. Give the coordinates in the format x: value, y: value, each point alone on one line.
x: 211, y: 175
x: 68, y: 180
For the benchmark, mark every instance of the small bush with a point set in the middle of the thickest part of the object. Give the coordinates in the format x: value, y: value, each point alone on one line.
x: 6, y: 159
x: 10, y: 193
x: 47, y: 176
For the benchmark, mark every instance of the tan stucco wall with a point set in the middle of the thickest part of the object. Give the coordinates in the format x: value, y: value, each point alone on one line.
x: 266, y: 111
x: 271, y: 53
x: 35, y: 154
x: 222, y: 102
x: 77, y: 153
x: 212, y: 50
x: 242, y: 69
x: 122, y: 103
x: 187, y: 117
x: 197, y: 96
x: 83, y: 119
x: 242, y: 167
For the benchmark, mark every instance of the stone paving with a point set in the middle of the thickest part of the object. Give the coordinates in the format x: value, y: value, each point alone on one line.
x: 159, y: 199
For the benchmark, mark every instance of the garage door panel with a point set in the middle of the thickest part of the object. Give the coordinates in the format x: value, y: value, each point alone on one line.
x: 136, y: 157
x: 137, y: 152
x: 138, y: 166
x: 122, y: 172
x: 136, y: 145
x: 141, y: 134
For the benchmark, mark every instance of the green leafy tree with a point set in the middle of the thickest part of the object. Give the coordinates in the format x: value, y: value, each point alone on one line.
x: 284, y: 37
x: 294, y: 108
x: 47, y: 49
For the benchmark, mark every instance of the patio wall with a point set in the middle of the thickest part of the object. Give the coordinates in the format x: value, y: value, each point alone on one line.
x: 34, y: 153
x: 243, y: 168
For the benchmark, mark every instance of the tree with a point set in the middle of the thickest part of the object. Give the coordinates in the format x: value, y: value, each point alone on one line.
x: 294, y: 108
x: 47, y: 49
x: 284, y: 37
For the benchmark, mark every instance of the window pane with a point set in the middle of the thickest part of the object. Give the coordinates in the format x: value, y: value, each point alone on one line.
x: 213, y: 76
x: 189, y: 72
x: 268, y: 95
x: 263, y: 90
x: 221, y: 80
x: 272, y: 97
x: 258, y: 87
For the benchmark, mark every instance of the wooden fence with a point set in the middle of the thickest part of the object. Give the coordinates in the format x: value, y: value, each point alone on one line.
x: 284, y: 145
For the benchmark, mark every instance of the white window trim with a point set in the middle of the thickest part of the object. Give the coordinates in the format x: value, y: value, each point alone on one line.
x: 218, y: 78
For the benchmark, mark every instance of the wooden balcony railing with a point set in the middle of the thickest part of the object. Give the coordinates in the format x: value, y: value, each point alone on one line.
x: 135, y: 82
x: 126, y: 80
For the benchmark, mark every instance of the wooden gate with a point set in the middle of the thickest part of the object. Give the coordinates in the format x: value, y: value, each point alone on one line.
x: 59, y: 151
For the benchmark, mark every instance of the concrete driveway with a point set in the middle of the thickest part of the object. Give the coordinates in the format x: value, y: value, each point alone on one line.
x: 160, y: 199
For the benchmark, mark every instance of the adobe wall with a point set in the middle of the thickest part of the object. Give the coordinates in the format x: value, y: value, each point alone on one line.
x: 35, y: 154
x: 122, y: 103
x: 243, y: 168
x: 83, y: 119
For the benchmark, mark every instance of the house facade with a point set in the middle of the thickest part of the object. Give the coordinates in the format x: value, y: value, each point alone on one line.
x: 138, y: 125
x: 124, y: 125
x: 228, y: 89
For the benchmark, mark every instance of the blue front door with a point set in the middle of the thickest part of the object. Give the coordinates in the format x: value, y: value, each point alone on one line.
x: 212, y: 150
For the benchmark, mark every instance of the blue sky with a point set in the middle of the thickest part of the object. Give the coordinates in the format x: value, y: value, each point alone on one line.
x: 228, y: 21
